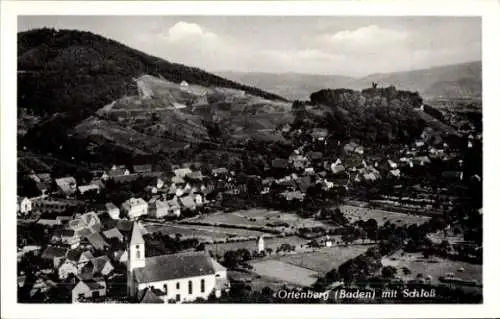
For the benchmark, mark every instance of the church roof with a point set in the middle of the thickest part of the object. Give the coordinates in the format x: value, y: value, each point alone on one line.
x: 175, y: 266
x: 136, y: 237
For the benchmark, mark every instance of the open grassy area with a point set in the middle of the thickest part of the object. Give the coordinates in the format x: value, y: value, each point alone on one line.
x: 286, y: 272
x: 433, y: 266
x: 354, y: 213
x: 326, y: 259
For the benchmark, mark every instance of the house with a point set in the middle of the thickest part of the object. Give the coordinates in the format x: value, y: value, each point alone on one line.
x: 52, y: 206
x: 420, y: 160
x: 298, y: 161
x: 195, y: 176
x: 99, y: 266
x: 91, y: 288
x: 319, y: 134
x: 117, y: 171
x: 146, y: 168
x: 86, y: 223
x: 135, y: 207
x: 112, y: 210
x: 182, y: 172
x: 188, y: 202
x: 23, y: 205
x: 113, y: 233
x: 189, y: 275
x: 221, y: 171
x: 395, y: 173
x: 97, y: 241
x: 337, y: 167
x: 54, y: 254
x: 42, y: 182
x: 79, y: 258
x: 293, y: 195
x: 66, y: 268
x: 309, y: 171
x: 174, y: 208
x: 392, y: 164
x: 159, y: 183
x: 87, y: 188
x: 66, y: 237
x: 158, y: 208
x: 120, y: 256
x: 66, y: 185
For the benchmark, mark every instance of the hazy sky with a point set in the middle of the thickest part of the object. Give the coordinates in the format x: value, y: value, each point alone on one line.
x: 354, y: 46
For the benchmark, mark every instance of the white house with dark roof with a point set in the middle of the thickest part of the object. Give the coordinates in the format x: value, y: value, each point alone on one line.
x: 181, y: 277
x: 135, y: 207
x: 23, y: 205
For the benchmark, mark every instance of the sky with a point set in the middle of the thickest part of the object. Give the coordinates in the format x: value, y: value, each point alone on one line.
x: 352, y: 46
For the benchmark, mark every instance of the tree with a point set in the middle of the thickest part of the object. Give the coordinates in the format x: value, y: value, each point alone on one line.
x: 406, y: 271
x: 389, y: 272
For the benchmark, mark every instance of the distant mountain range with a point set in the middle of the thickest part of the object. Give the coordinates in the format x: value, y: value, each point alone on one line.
x: 451, y: 81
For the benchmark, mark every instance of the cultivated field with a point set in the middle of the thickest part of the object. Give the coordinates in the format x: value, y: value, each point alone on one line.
x: 354, y: 213
x: 260, y: 217
x: 433, y: 266
x: 203, y: 233
x: 326, y: 259
x: 286, y: 272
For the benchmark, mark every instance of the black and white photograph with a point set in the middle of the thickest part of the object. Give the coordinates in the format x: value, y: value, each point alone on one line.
x: 250, y: 159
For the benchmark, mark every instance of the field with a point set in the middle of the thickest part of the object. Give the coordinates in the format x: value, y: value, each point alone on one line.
x: 285, y: 272
x: 251, y: 245
x: 204, y: 233
x: 433, y: 266
x: 354, y: 213
x: 259, y: 217
x: 326, y: 259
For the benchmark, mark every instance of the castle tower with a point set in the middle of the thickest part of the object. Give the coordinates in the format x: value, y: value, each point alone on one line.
x: 136, y: 257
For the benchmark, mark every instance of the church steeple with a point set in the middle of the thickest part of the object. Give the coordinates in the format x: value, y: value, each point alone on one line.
x: 136, y: 249
x: 136, y: 257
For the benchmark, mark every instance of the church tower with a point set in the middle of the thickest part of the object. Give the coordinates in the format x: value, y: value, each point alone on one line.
x: 136, y: 257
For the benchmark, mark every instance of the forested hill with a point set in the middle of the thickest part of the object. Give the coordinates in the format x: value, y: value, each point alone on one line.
x: 80, y: 72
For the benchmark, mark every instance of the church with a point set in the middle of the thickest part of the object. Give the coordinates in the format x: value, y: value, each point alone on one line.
x: 180, y: 277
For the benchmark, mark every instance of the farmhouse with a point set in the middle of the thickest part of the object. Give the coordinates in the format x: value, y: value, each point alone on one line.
x: 182, y: 277
x: 135, y: 207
